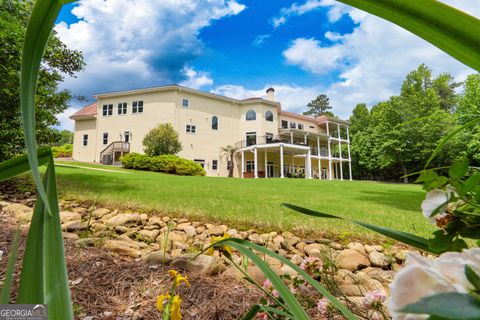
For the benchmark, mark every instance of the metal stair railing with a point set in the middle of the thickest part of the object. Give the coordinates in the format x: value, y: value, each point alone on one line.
x: 107, y: 154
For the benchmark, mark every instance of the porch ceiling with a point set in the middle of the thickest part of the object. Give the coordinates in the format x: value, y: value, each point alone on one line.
x: 273, y: 147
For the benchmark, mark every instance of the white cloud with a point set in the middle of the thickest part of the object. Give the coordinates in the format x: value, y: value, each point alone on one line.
x: 293, y: 98
x: 373, y: 60
x: 333, y: 36
x: 196, y: 79
x: 259, y: 40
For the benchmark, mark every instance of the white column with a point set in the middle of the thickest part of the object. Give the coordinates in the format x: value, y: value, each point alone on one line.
x: 255, y: 163
x: 330, y: 172
x: 305, y: 138
x: 243, y: 163
x: 266, y: 164
x: 340, y: 150
x: 308, y: 166
x: 350, y: 170
x: 291, y: 137
x: 281, y: 161
x: 319, y: 161
x: 349, y: 157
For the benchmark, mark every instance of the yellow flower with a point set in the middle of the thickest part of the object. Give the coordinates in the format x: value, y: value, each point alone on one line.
x: 178, y: 278
x: 161, y: 298
x: 223, y: 248
x: 175, y: 313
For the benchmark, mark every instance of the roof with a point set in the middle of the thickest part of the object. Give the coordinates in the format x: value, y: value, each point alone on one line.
x: 87, y: 111
x: 323, y: 119
x: 297, y: 116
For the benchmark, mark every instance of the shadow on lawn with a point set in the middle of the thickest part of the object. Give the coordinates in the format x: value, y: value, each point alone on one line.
x: 398, y: 199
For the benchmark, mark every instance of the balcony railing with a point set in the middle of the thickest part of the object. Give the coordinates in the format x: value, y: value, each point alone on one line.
x: 279, y: 139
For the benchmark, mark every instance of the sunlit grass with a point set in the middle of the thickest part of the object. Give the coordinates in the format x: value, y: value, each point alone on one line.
x: 248, y: 202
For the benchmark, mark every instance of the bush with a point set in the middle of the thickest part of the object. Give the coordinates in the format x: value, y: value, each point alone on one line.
x: 64, y: 151
x: 164, y: 163
x: 163, y: 139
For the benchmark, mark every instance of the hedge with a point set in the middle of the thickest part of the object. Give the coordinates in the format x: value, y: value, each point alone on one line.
x: 163, y: 163
x: 64, y: 151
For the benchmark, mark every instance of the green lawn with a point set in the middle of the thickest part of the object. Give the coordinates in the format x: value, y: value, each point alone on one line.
x: 248, y: 202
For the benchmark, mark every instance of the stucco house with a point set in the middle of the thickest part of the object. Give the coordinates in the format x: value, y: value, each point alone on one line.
x: 270, y: 142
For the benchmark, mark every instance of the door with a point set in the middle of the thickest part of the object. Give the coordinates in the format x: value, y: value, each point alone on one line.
x: 270, y: 169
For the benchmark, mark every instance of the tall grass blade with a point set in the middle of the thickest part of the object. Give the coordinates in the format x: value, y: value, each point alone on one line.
x: 251, y: 313
x: 12, y: 258
x: 40, y: 25
x: 294, y: 306
x: 44, y: 274
x: 19, y: 165
x: 449, y: 136
x: 447, y: 28
x: 405, y: 237
x: 243, y: 244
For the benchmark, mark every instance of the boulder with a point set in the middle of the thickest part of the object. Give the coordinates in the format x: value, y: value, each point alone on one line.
x: 189, y: 230
x: 345, y: 277
x: 203, y: 264
x: 69, y: 216
x: 82, y: 211
x: 125, y: 219
x: 156, y: 221
x: 132, y: 243
x: 256, y: 238
x: 149, y: 235
x: 99, y: 213
x: 216, y: 231
x: 314, y: 249
x: 290, y: 238
x: 21, y: 212
x: 122, y: 247
x: 85, y: 242
x: 358, y: 247
x: 121, y: 229
x: 232, y: 232
x: 97, y: 226
x: 384, y: 276
x: 70, y: 236
x: 74, y: 226
x: 351, y: 260
x: 336, y: 246
x: 378, y: 259
x: 158, y: 257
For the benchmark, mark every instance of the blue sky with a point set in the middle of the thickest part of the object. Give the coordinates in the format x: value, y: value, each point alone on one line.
x: 239, y: 48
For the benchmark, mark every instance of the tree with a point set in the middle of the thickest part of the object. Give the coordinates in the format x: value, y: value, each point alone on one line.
x: 229, y: 151
x: 319, y: 106
x: 50, y: 101
x: 163, y: 139
x: 65, y: 137
x: 468, y: 110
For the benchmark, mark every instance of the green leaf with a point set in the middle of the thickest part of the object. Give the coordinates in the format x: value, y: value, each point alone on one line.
x: 451, y: 305
x: 408, y: 238
x: 447, y: 28
x: 436, y: 183
x: 12, y: 258
x: 472, y: 277
x: 39, y: 28
x: 427, y: 176
x: 470, y: 184
x: 19, y: 165
x: 449, y: 136
x: 44, y: 277
x: 251, y: 313
x: 441, y: 241
x: 240, y: 243
x: 459, y: 168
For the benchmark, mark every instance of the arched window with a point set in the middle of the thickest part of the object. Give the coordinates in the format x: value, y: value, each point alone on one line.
x: 269, y: 116
x: 251, y: 115
x: 214, y: 123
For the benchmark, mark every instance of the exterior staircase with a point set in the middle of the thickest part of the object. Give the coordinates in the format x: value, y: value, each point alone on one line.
x: 112, y: 153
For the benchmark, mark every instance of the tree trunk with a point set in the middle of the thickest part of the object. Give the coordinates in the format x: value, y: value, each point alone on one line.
x: 405, y: 172
x: 230, y: 169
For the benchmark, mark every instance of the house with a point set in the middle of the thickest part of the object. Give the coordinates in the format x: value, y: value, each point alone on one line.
x: 270, y: 142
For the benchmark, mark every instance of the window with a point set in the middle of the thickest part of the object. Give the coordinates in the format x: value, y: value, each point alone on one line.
x: 191, y: 128
x: 126, y: 136
x: 200, y: 162
x: 300, y: 126
x: 137, y: 107
x: 214, y: 165
x: 251, y: 115
x: 251, y: 138
x: 269, y: 137
x: 311, y: 127
x: 214, y: 123
x: 269, y: 116
x: 284, y: 124
x: 85, y: 140
x: 122, y: 108
x: 293, y: 125
x: 185, y: 103
x: 250, y: 166
x: 107, y: 110
x: 105, y: 138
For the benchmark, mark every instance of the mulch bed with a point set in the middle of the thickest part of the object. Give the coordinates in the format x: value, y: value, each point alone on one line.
x: 108, y: 286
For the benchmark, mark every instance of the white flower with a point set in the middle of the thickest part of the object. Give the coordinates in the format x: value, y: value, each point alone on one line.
x: 322, y: 306
x: 373, y: 299
x: 436, y: 200
x: 424, y: 277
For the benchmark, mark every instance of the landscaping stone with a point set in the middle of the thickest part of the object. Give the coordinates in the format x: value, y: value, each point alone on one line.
x: 158, y: 257
x: 149, y: 235
x: 189, y: 230
x: 378, y: 259
x: 314, y: 249
x: 216, y: 231
x: 73, y: 226
x: 232, y: 232
x: 203, y: 264
x: 357, y: 246
x: 99, y: 213
x: 351, y: 260
x: 69, y: 216
x: 122, y: 247
x: 124, y: 220
x: 70, y: 235
x: 82, y: 211
x: 121, y: 229
x: 290, y: 238
x: 21, y: 212
x: 336, y: 246
x: 384, y: 276
x: 132, y: 243
x: 85, y: 242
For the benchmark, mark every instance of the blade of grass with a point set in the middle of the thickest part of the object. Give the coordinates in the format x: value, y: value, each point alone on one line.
x: 252, y: 312
x: 19, y: 165
x: 12, y: 258
x: 39, y: 28
x: 449, y: 136
x: 405, y: 237
x: 44, y: 276
x: 240, y: 243
x: 449, y: 29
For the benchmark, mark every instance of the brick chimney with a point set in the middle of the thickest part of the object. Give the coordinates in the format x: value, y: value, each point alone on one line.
x: 271, y: 94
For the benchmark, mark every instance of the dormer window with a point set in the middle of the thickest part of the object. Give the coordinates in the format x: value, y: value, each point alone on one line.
x: 251, y: 115
x: 269, y: 116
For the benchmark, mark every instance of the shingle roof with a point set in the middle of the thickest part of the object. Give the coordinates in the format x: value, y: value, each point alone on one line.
x: 90, y: 110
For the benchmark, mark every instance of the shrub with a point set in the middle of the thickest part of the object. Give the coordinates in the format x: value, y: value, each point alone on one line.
x: 164, y: 163
x: 64, y: 151
x: 163, y: 139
